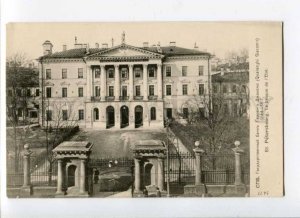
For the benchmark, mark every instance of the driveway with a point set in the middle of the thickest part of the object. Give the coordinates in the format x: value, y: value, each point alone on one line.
x: 116, y: 143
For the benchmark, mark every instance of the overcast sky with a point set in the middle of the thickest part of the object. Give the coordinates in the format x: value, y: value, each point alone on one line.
x: 216, y: 38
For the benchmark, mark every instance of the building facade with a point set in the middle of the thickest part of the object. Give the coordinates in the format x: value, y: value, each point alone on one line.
x: 122, y: 86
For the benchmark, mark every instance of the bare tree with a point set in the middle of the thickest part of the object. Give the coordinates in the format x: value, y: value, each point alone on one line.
x: 58, y: 127
x: 18, y: 79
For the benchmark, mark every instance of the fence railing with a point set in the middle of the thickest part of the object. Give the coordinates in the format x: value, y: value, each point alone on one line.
x: 215, y: 169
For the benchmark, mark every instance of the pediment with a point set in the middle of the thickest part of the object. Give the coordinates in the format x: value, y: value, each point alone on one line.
x: 47, y: 83
x: 126, y: 51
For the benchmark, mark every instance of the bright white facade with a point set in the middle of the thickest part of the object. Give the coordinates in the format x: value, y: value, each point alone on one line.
x: 121, y: 87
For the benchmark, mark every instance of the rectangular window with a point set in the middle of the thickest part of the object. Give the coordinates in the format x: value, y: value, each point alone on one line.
x: 111, y: 91
x: 184, y: 89
x: 49, y: 115
x: 80, y: 92
x: 81, y: 114
x: 124, y: 73
x: 48, y: 73
x: 111, y: 73
x: 225, y: 108
x: 153, y: 113
x: 168, y: 90
x: 48, y: 92
x: 65, y: 114
x: 224, y: 88
x: 168, y: 71
x: 124, y: 91
x: 20, y: 112
x: 233, y: 88
x: 97, y: 91
x: 201, y: 89
x: 37, y: 92
x: 137, y: 72
x: 151, y: 72
x: 33, y: 114
x: 169, y: 113
x: 97, y: 73
x: 64, y: 92
x: 80, y: 73
x: 28, y: 92
x: 215, y: 89
x: 64, y: 74
x: 151, y: 90
x: 138, y: 91
x: 185, y: 112
x: 19, y: 92
x: 235, y: 109
x: 202, y: 113
x: 184, y: 70
x: 201, y: 70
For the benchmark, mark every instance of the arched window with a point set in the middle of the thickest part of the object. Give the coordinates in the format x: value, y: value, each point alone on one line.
x: 153, y: 113
x: 96, y: 114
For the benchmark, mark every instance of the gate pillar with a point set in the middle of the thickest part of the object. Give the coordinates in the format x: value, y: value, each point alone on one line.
x: 153, y: 152
x: 76, y: 155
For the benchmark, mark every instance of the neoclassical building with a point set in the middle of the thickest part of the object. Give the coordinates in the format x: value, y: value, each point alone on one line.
x: 122, y: 86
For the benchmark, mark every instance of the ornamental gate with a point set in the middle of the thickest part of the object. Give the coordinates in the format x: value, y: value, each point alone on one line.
x: 111, y: 175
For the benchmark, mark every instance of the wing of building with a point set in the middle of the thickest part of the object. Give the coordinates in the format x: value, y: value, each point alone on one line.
x: 122, y: 86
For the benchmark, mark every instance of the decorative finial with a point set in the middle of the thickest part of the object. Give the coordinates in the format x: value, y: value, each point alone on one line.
x: 123, y: 37
x: 75, y: 39
x: 112, y: 42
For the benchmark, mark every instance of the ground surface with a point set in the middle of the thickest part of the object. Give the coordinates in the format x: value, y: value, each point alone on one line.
x: 109, y: 143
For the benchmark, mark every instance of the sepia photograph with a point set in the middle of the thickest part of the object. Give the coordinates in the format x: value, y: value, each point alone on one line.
x: 142, y: 109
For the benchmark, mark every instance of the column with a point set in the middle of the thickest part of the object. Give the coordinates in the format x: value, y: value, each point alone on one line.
x: 159, y: 82
x: 82, y: 177
x: 59, y: 177
x: 130, y: 88
x: 145, y: 81
x: 198, y: 152
x: 103, y: 83
x: 117, y: 83
x: 238, y: 167
x: 137, y: 176
x: 160, y: 174
x: 89, y: 85
x: 26, y: 167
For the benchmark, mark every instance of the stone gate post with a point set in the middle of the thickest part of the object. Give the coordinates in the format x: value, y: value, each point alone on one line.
x: 26, y: 189
x: 198, y: 153
x: 239, y: 186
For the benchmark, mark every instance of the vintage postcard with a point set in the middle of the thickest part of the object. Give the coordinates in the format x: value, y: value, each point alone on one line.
x: 144, y: 109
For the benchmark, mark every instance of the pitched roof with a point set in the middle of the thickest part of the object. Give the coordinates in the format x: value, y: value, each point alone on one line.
x: 167, y: 51
x: 177, y: 51
x: 231, y: 77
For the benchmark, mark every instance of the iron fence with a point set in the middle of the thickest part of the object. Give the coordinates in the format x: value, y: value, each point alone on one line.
x: 215, y: 169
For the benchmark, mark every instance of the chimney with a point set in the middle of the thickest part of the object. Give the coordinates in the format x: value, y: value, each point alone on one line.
x: 145, y: 44
x: 172, y: 44
x: 196, y: 46
x: 47, y: 47
x: 64, y: 47
x: 158, y: 47
x: 104, y: 45
x: 96, y: 45
x: 87, y: 49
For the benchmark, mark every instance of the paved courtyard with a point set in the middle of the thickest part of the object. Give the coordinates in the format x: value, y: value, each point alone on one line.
x: 117, y: 143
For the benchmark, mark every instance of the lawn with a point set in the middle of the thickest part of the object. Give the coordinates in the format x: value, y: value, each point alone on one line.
x: 109, y: 143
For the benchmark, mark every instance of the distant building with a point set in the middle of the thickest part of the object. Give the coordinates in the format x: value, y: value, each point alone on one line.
x: 23, y: 93
x: 123, y: 86
x: 233, y: 86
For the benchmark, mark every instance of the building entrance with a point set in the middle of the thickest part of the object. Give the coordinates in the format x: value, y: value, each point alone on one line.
x: 110, y: 117
x: 138, y: 115
x: 124, y: 111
